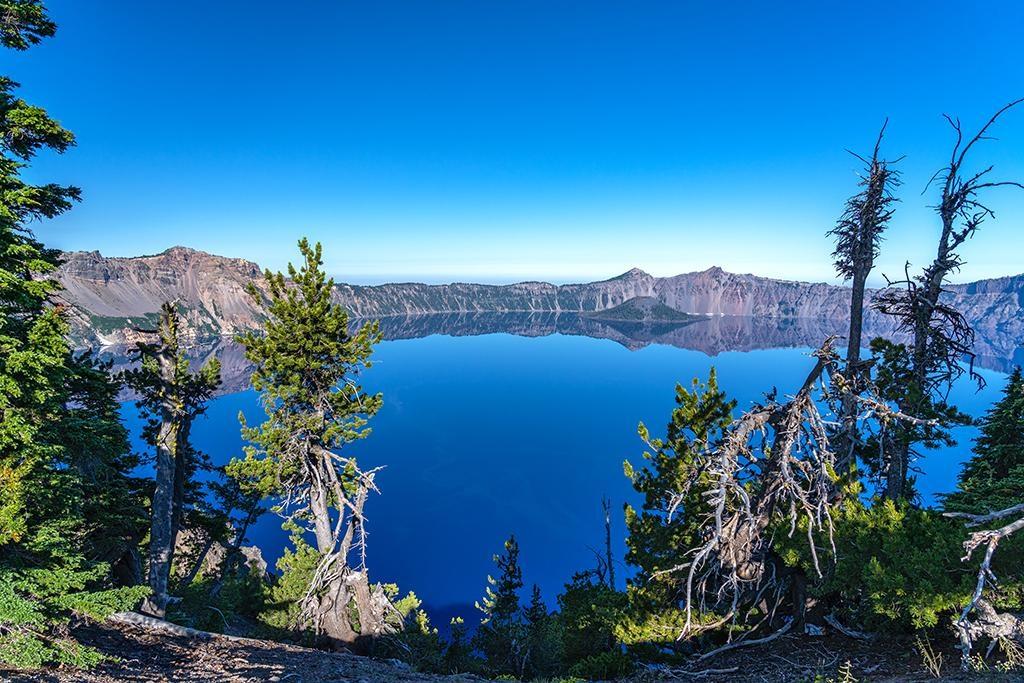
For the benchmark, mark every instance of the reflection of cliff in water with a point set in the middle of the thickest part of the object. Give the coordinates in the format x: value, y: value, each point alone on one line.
x: 235, y: 369
x: 711, y: 336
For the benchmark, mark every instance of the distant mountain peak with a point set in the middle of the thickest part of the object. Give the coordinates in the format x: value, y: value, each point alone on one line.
x: 633, y: 273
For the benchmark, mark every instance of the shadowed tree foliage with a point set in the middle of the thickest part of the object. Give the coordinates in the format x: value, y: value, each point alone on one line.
x: 114, y: 501
x: 51, y: 530
x: 994, y: 478
x: 501, y: 637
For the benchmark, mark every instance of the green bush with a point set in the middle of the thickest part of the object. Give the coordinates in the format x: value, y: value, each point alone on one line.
x: 605, y: 666
x: 297, y: 566
x: 416, y: 642
x: 236, y: 608
x: 897, y: 568
x: 590, y: 612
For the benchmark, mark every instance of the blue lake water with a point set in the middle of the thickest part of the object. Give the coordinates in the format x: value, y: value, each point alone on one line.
x: 485, y: 436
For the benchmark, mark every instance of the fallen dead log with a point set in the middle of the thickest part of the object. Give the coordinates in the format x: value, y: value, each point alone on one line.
x: 153, y: 624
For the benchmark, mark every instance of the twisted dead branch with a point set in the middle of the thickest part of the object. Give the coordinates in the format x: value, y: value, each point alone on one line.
x: 941, y: 337
x: 989, y: 623
x: 774, y: 463
x: 772, y: 472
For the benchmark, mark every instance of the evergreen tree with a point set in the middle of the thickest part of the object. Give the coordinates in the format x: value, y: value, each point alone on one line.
x: 994, y: 478
x: 45, y: 394
x: 114, y: 502
x: 543, y: 655
x: 171, y: 398
x: 668, y: 525
x: 458, y: 655
x: 589, y: 613
x: 307, y: 364
x: 502, y: 632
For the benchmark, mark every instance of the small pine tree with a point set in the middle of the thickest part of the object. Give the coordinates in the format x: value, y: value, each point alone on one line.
x: 501, y: 636
x: 666, y: 527
x: 543, y: 655
x: 589, y: 613
x: 458, y: 655
x: 994, y: 478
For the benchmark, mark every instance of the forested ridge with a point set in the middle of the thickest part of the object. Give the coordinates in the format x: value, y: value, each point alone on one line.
x: 754, y: 529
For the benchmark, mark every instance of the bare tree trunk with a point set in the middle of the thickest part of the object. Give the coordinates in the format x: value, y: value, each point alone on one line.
x: 988, y: 623
x: 858, y: 234
x: 180, y: 472
x: 161, y: 542
x: 607, y: 507
x: 338, y: 591
x: 846, y: 443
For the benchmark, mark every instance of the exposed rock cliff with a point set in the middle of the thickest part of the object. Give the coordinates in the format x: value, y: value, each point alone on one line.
x: 110, y: 297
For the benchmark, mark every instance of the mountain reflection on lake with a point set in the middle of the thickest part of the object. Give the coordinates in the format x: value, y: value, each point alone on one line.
x: 501, y: 424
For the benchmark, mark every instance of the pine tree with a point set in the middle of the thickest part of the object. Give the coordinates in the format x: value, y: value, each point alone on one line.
x: 502, y: 633
x: 114, y: 501
x: 668, y: 525
x: 543, y: 655
x: 307, y: 364
x: 171, y: 398
x: 994, y: 478
x: 45, y: 525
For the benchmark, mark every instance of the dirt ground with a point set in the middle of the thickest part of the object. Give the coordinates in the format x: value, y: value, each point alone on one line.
x: 145, y: 655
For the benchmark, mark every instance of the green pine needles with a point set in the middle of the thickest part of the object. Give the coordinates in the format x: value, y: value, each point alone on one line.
x: 60, y: 440
x: 994, y: 478
x: 307, y: 365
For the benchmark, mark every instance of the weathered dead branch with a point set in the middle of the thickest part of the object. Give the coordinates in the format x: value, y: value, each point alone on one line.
x: 988, y: 623
x: 941, y: 336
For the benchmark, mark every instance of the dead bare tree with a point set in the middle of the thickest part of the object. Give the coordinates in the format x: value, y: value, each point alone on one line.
x: 988, y: 622
x: 783, y: 447
x: 858, y: 234
x: 772, y: 472
x: 940, y: 336
x: 606, y: 508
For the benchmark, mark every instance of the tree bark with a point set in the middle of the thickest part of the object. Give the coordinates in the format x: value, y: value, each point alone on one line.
x: 161, y: 534
x: 846, y: 458
x: 161, y: 548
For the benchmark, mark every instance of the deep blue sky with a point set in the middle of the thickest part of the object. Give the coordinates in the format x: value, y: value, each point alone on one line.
x: 494, y: 140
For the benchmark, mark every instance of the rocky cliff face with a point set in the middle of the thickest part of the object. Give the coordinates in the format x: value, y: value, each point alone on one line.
x: 110, y: 297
